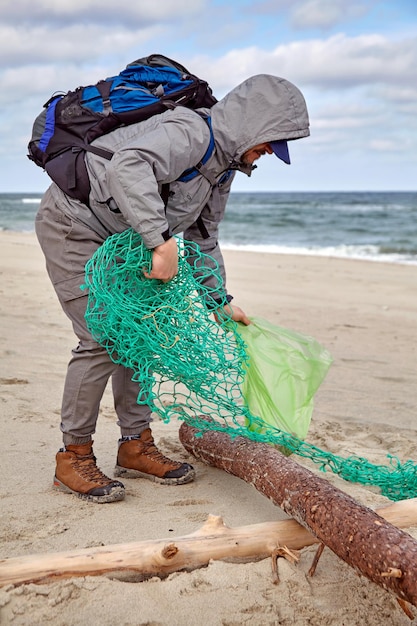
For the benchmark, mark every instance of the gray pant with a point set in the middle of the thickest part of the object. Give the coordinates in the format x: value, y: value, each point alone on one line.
x: 67, y: 246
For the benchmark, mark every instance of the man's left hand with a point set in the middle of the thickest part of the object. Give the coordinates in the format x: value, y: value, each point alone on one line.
x: 233, y: 312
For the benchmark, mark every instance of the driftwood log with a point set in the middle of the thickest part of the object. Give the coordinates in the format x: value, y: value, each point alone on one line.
x: 355, y: 533
x: 213, y: 541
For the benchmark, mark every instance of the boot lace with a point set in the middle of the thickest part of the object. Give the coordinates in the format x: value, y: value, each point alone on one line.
x: 87, y: 468
x: 151, y: 451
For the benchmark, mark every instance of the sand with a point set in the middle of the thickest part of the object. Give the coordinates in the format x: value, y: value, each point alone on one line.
x: 363, y: 312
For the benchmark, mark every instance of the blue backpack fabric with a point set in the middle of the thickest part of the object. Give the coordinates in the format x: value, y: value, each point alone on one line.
x: 64, y: 130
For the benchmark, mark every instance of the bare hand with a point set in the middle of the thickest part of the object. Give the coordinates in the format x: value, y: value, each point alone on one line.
x: 164, y: 261
x: 232, y: 312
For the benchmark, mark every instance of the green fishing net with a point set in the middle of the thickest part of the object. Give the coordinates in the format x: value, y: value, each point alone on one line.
x: 257, y: 381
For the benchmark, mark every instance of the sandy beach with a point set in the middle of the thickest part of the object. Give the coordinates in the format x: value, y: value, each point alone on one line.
x: 363, y: 312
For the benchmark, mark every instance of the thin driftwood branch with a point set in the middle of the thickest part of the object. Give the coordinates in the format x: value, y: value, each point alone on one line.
x: 142, y: 559
x: 358, y: 535
x: 213, y: 541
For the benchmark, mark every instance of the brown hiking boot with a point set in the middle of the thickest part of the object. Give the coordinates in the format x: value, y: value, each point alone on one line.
x: 138, y: 457
x: 77, y: 472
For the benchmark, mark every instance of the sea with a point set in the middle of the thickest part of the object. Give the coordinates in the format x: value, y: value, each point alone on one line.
x: 376, y: 226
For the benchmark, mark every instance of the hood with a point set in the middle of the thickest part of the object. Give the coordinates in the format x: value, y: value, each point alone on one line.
x: 263, y: 108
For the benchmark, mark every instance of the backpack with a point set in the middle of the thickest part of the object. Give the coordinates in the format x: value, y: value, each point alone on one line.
x: 64, y: 130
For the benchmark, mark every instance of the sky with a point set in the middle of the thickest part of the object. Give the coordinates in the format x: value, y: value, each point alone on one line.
x: 355, y: 61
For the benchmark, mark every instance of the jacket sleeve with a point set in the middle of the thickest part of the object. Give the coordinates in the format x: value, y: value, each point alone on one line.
x: 204, y: 232
x: 139, y: 168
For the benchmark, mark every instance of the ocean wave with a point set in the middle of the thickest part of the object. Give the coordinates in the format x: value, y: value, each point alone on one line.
x: 364, y: 253
x: 30, y: 200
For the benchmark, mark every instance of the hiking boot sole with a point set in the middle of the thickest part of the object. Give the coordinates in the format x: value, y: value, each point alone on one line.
x: 116, y: 493
x: 132, y: 473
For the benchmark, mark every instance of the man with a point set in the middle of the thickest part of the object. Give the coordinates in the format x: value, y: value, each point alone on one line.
x: 258, y: 117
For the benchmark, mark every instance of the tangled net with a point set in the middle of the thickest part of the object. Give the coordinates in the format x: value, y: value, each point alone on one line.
x: 190, y: 366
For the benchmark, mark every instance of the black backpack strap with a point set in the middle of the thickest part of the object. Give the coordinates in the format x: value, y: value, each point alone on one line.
x: 101, y: 152
x: 104, y: 87
x: 165, y: 194
x: 202, y: 228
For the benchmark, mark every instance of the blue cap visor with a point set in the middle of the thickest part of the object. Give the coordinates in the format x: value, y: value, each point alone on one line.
x: 280, y: 149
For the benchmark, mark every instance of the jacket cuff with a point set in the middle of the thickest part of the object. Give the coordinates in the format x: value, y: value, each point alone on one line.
x: 156, y: 239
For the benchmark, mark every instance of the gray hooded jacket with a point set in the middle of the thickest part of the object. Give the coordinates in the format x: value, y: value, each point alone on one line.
x: 125, y: 192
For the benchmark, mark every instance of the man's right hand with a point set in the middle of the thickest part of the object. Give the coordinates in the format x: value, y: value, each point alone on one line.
x: 164, y: 261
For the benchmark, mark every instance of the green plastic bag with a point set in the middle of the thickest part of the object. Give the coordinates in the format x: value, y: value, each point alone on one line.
x: 284, y: 371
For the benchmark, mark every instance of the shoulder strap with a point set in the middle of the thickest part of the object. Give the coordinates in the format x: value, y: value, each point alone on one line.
x: 165, y: 194
x: 191, y: 172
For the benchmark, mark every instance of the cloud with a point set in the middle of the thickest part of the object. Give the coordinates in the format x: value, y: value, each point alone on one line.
x: 403, y: 98
x: 48, y: 12
x: 82, y: 44
x: 338, y: 62
x: 383, y: 145
x: 325, y: 13
x: 310, y: 14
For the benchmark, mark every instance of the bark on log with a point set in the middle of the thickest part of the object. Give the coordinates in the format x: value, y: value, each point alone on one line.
x: 213, y: 541
x: 355, y: 533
